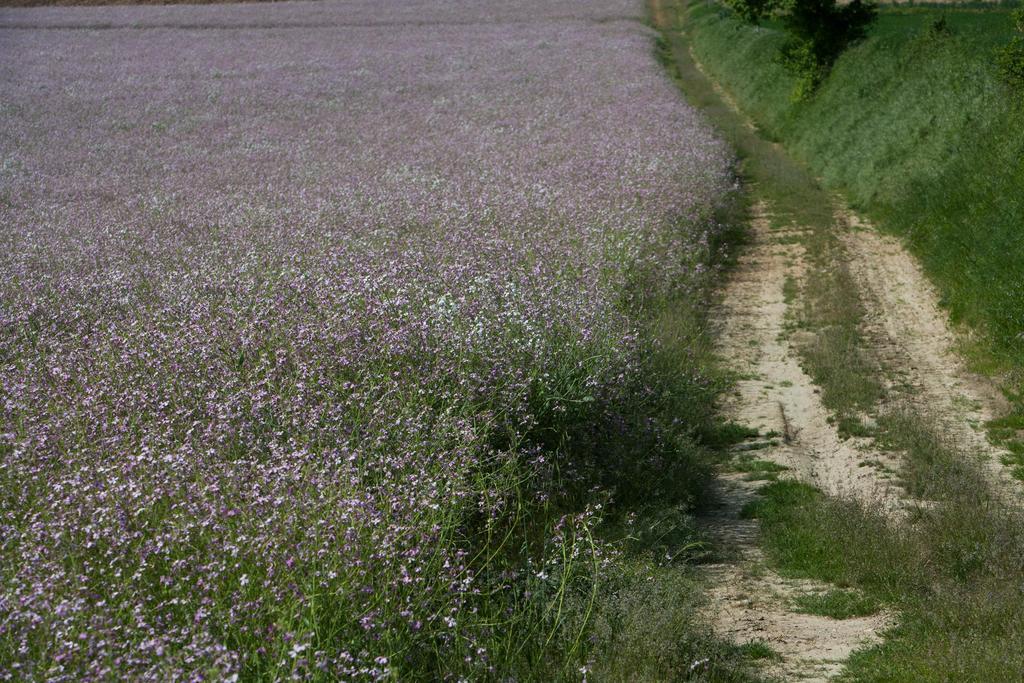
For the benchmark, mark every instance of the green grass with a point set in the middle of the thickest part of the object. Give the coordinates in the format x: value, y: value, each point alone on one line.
x: 953, y: 571
x: 756, y: 470
x: 918, y: 131
x: 727, y: 434
x: 790, y: 289
x: 757, y: 649
x: 837, y: 604
x: 849, y: 425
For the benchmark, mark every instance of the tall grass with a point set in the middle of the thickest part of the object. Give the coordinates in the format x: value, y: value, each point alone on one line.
x: 349, y: 350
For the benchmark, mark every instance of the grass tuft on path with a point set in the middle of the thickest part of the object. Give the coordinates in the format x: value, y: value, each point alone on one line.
x: 838, y: 604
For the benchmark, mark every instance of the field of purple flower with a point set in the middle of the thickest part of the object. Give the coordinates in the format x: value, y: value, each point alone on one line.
x: 330, y: 332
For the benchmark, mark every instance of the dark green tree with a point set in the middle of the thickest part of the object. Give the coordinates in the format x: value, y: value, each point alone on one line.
x: 818, y: 31
x: 1010, y: 58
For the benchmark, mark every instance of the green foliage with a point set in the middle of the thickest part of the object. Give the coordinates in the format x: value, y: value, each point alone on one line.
x: 818, y: 32
x: 1011, y: 62
x: 727, y: 434
x: 838, y: 604
x: 1010, y: 58
x: 940, y: 28
x: 756, y: 470
x: 780, y: 497
x: 851, y: 425
x: 752, y: 11
x: 758, y: 649
x: 648, y: 628
x: 798, y: 57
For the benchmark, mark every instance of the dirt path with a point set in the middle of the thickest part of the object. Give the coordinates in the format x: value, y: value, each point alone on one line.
x: 775, y: 395
x: 910, y: 334
x: 907, y: 333
x: 747, y: 601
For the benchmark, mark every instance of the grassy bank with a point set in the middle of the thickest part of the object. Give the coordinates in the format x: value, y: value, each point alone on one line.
x: 951, y: 569
x: 917, y: 130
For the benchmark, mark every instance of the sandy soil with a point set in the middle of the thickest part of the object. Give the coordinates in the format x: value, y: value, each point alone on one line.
x: 910, y: 334
x: 748, y: 602
x: 776, y: 395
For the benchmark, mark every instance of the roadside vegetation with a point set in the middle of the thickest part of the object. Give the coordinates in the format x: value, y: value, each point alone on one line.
x: 951, y: 566
x: 817, y: 32
x: 832, y: 311
x: 920, y: 130
x: 1010, y: 58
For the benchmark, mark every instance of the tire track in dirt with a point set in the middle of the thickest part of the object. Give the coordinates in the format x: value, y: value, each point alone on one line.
x: 748, y: 602
x: 776, y: 395
x: 910, y: 335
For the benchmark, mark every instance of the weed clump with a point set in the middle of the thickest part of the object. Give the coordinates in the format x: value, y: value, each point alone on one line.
x: 838, y: 604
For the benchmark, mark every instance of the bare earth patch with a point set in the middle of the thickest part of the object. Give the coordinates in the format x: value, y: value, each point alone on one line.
x: 910, y: 334
x: 748, y: 602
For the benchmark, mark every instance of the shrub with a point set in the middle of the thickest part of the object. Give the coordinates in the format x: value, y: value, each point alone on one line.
x: 940, y: 28
x: 1010, y: 58
x: 818, y: 32
x: 751, y: 11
